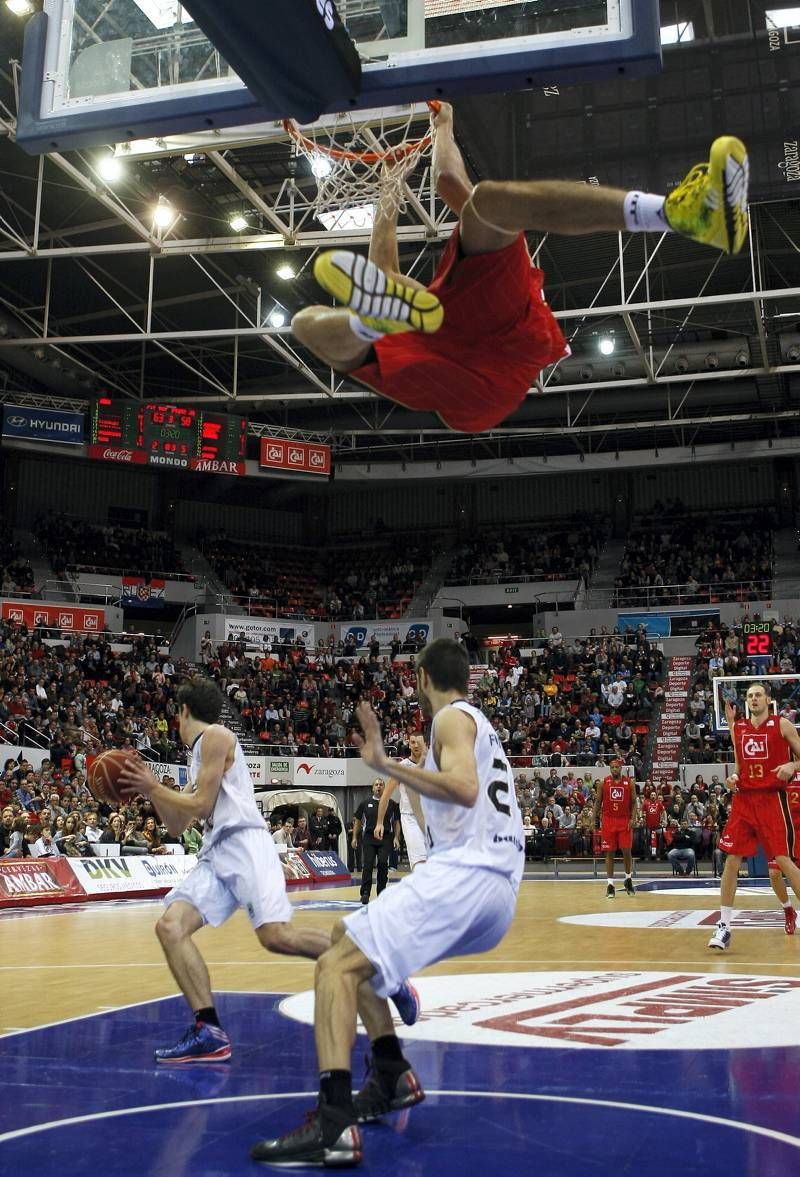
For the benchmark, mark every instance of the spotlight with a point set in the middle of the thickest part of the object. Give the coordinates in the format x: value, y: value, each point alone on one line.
x: 682, y: 364
x: 321, y: 166
x: 618, y: 370
x: 163, y: 214
x: 109, y: 168
x: 238, y: 222
x: 20, y: 7
x: 742, y: 358
x: 286, y: 272
x: 607, y: 346
x: 793, y: 353
x: 712, y: 361
x: 586, y: 372
x: 277, y: 319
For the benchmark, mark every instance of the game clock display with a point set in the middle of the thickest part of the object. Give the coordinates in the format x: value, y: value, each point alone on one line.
x: 757, y: 638
x: 167, y: 435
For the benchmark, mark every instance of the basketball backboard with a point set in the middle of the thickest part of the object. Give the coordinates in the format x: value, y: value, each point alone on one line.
x: 105, y: 71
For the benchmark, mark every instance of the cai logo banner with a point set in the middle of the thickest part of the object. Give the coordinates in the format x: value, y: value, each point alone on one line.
x: 43, y: 425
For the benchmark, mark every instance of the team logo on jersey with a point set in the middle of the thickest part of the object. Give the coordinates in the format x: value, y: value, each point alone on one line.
x: 755, y: 747
x: 616, y: 1011
x: 616, y: 793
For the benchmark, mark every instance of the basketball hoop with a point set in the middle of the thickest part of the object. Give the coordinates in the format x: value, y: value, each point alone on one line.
x: 348, y: 159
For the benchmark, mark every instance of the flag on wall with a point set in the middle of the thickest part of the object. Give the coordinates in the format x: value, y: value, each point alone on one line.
x: 141, y: 591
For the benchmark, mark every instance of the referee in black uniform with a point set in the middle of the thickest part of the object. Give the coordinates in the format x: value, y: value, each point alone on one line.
x: 372, y: 850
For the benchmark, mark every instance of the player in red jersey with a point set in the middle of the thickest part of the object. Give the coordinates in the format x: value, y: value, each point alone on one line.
x: 767, y: 753
x: 471, y: 344
x: 655, y: 818
x: 616, y: 804
x: 775, y: 876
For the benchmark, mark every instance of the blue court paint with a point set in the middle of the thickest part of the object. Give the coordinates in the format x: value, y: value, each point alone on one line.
x: 83, y: 1097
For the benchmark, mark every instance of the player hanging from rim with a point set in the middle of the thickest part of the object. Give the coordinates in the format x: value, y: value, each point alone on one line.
x: 767, y: 753
x: 471, y: 344
x: 238, y: 866
x: 617, y: 806
x: 412, y: 819
x: 460, y: 901
x: 775, y: 876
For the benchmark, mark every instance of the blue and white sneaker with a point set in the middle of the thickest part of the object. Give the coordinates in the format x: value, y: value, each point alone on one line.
x: 407, y: 1003
x: 200, y: 1044
x: 721, y: 939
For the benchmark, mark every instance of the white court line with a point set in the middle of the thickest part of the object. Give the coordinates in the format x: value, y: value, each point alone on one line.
x: 158, y: 964
x: 616, y: 1105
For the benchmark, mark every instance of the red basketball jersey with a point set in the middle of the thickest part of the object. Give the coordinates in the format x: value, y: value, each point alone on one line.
x: 652, y: 810
x: 617, y: 798
x: 760, y: 751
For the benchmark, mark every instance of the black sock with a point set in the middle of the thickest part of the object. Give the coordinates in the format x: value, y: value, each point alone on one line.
x: 207, y: 1015
x: 387, y: 1050
x: 336, y: 1088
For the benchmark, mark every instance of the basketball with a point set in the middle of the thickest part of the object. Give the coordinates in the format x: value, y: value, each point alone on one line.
x: 103, y: 775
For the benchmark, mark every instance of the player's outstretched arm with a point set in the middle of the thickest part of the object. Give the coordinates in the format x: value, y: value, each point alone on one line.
x: 450, y: 178
x: 383, y: 249
x: 179, y: 810
x: 457, y: 778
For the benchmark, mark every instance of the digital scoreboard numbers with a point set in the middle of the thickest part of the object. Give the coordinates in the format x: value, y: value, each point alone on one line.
x: 757, y: 638
x: 164, y: 435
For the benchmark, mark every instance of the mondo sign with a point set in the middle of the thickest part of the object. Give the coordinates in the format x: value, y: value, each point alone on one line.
x: 303, y: 458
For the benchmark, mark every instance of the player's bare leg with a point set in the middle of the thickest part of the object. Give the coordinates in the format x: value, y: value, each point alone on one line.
x: 327, y: 333
x: 290, y: 939
x: 627, y: 858
x: 790, y: 869
x: 789, y: 913
x: 710, y: 206
x: 727, y: 894
x: 610, y: 888
x: 175, y: 929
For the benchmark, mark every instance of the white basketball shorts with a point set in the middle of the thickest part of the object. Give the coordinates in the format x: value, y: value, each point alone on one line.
x: 439, y: 911
x: 242, y: 871
x: 415, y: 839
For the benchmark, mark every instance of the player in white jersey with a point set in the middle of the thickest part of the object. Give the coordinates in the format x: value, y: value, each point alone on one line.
x: 460, y: 901
x: 238, y: 866
x: 412, y: 820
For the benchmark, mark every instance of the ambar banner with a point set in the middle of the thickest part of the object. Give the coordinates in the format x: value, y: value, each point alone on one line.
x: 37, y: 880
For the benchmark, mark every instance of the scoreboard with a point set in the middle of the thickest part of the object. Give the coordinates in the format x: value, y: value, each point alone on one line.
x: 757, y: 638
x: 167, y: 435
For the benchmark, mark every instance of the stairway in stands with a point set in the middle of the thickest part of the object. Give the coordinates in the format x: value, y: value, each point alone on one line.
x: 786, y: 581
x: 666, y: 751
x: 233, y: 720
x: 601, y: 589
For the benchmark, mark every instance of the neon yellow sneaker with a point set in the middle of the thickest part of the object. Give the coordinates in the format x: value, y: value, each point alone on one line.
x: 710, y: 205
x: 379, y: 301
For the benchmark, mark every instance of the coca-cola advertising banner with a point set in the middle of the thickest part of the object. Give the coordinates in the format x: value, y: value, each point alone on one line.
x: 66, y: 617
x: 279, y: 454
x: 130, y: 457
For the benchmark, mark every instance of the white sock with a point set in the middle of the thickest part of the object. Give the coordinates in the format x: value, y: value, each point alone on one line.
x: 609, y: 882
x: 726, y: 915
x: 627, y: 876
x: 363, y: 331
x: 787, y: 904
x: 644, y: 213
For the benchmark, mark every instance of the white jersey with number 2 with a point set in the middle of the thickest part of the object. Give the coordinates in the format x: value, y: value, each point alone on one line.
x: 489, y: 834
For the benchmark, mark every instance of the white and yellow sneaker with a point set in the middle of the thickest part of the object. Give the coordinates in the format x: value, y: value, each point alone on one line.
x: 710, y: 205
x: 381, y: 302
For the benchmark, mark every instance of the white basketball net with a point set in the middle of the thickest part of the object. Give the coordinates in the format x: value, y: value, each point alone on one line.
x: 357, y: 165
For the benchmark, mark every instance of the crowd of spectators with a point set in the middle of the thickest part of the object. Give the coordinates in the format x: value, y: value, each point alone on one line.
x: 721, y: 653
x: 350, y: 583
x: 676, y: 556
x: 86, y: 693
x: 17, y: 576
x: 73, y: 545
x: 585, y: 700
x: 567, y: 551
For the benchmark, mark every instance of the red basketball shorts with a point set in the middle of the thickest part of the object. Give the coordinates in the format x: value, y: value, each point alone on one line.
x: 498, y: 334
x: 759, y: 818
x: 615, y: 835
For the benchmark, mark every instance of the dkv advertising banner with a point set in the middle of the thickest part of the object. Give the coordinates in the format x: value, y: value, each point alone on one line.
x: 130, y: 875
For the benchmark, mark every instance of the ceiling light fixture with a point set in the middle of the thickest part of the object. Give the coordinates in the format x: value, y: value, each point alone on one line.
x: 321, y: 166
x: 607, y: 345
x: 110, y: 168
x: 238, y: 222
x: 163, y: 214
x: 277, y: 319
x: 20, y: 7
x: 286, y: 272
